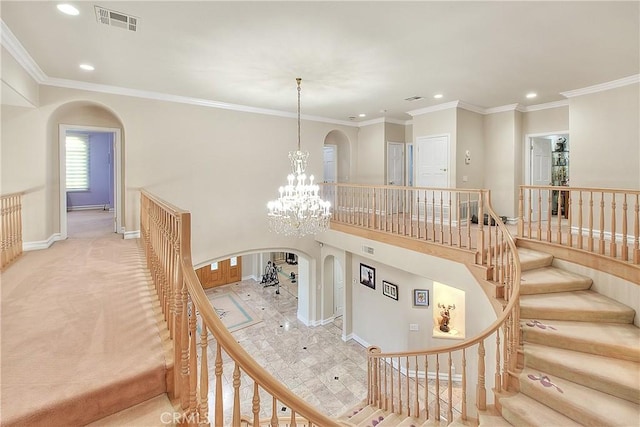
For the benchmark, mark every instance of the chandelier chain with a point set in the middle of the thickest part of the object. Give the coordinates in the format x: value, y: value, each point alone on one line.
x: 298, y: 80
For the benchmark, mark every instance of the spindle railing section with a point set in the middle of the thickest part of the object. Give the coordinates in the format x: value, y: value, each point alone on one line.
x: 166, y: 234
x: 414, y: 383
x: 11, y: 237
x: 601, y: 221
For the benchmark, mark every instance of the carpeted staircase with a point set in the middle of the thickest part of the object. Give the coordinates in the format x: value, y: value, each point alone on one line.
x: 581, y: 354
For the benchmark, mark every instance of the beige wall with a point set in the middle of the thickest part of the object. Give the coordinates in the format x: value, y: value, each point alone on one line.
x: 371, y: 154
x: 470, y: 137
x: 546, y: 121
x: 394, y: 132
x: 436, y: 123
x: 499, y: 161
x: 18, y: 88
x: 605, y: 138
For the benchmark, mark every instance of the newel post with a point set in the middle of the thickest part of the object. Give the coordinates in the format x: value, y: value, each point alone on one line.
x: 481, y: 391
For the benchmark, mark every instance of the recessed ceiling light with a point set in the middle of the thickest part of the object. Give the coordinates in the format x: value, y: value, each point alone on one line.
x: 87, y: 67
x: 362, y: 115
x: 531, y: 95
x: 437, y: 96
x: 68, y: 9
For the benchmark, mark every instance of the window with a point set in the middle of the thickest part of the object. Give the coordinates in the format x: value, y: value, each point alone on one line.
x: 214, y: 266
x: 77, y: 149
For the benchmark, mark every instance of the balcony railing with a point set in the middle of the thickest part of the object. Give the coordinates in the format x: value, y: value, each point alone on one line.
x: 413, y: 383
x: 166, y: 234
x: 11, y: 223
x: 601, y: 221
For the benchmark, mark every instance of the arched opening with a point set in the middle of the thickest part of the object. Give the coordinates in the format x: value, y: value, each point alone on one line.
x: 98, y: 131
x: 337, y: 157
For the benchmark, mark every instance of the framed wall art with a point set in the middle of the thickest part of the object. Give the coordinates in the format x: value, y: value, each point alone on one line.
x: 368, y: 276
x: 390, y: 290
x: 421, y: 298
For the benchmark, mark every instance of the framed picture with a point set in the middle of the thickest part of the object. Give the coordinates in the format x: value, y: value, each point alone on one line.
x: 390, y: 290
x: 368, y: 276
x: 421, y: 298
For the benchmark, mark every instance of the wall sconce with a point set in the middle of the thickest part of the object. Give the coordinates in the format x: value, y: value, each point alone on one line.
x: 467, y: 157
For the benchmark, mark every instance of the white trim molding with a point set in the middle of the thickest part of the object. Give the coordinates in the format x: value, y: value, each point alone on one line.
x: 603, y: 86
x: 359, y: 340
x: 41, y: 244
x: 546, y: 106
x: 22, y: 57
x: 131, y: 234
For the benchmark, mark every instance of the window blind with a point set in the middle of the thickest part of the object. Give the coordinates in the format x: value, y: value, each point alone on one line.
x: 77, y: 148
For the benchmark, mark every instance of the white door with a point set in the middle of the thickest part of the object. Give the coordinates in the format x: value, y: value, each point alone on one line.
x: 330, y: 163
x: 338, y: 289
x: 540, y: 174
x: 395, y: 163
x: 432, y: 170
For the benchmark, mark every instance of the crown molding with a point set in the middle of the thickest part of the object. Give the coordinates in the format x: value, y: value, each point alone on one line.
x: 371, y: 122
x: 471, y: 107
x: 602, y: 86
x: 503, y: 108
x: 546, y: 106
x: 15, y: 48
x: 397, y: 122
x: 431, y: 109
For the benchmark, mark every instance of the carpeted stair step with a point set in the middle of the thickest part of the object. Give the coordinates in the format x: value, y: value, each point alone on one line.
x: 521, y: 410
x: 530, y: 259
x: 391, y: 420
x: 582, y: 404
x: 358, y: 413
x: 551, y: 279
x: 614, y: 340
x: 418, y: 422
x: 586, y: 306
x: 491, y: 418
x: 373, y: 419
x: 620, y: 378
x: 151, y: 413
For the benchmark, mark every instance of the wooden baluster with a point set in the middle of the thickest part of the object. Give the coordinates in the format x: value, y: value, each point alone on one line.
x: 449, y: 223
x: 601, y: 242
x: 183, y: 345
x: 411, y: 195
x: 464, y: 385
x: 636, y: 231
x: 590, y: 240
x: 567, y: 212
x: 437, y: 397
x: 403, y: 200
x: 481, y: 393
x: 625, y: 249
x: 580, y: 221
x: 433, y: 215
x: 416, y: 403
x: 549, y: 210
x: 219, y: 408
x: 292, y: 420
x: 498, y: 377
x: 426, y: 386
x: 505, y: 365
x: 613, y: 245
x: 468, y: 229
x: 236, y: 395
x: 400, y: 403
x: 193, y: 361
x: 481, y: 241
x: 204, y: 374
x: 442, y: 217
x: 386, y: 394
x: 274, y: 413
x: 391, y: 385
x: 559, y: 217
x: 255, y: 405
x: 521, y: 216
x: 373, y: 209
x: 539, y: 217
x: 450, y: 390
x: 408, y: 387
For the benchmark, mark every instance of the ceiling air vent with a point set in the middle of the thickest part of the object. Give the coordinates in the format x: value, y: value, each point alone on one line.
x: 367, y: 249
x: 116, y: 19
x: 413, y: 98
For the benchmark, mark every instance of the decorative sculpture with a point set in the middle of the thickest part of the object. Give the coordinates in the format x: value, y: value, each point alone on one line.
x: 445, y: 314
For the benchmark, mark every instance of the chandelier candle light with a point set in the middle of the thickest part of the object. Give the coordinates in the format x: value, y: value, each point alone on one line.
x: 299, y: 210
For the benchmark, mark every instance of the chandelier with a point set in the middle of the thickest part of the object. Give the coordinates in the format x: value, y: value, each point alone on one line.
x: 299, y: 210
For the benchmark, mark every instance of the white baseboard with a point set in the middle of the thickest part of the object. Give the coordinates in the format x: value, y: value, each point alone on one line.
x: 42, y: 244
x: 359, y: 340
x: 132, y: 234
x: 87, y: 207
x: 250, y: 277
x: 304, y: 321
x: 346, y: 338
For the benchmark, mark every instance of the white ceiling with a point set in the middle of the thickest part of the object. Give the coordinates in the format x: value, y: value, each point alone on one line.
x: 354, y: 57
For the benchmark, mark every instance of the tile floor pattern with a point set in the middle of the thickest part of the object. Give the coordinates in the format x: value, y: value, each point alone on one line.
x: 313, y: 362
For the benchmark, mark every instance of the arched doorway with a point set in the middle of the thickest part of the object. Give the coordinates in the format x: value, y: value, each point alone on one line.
x: 337, y: 157
x: 102, y: 130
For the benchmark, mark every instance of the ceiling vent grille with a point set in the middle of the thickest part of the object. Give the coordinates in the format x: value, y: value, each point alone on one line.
x: 116, y: 19
x: 367, y: 249
x: 413, y: 98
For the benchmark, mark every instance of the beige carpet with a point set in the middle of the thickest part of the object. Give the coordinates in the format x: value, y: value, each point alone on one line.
x: 79, y: 337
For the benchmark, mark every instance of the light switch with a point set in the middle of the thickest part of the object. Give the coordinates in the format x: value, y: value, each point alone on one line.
x: 413, y: 326
x: 465, y: 178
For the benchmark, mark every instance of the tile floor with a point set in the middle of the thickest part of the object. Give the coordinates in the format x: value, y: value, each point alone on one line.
x: 313, y: 362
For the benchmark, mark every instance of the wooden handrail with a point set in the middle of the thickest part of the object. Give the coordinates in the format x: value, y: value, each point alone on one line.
x: 10, y: 228
x: 178, y: 313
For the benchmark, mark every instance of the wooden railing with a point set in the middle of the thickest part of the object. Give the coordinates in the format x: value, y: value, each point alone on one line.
x: 411, y: 383
x: 11, y: 237
x: 166, y: 235
x: 601, y: 221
